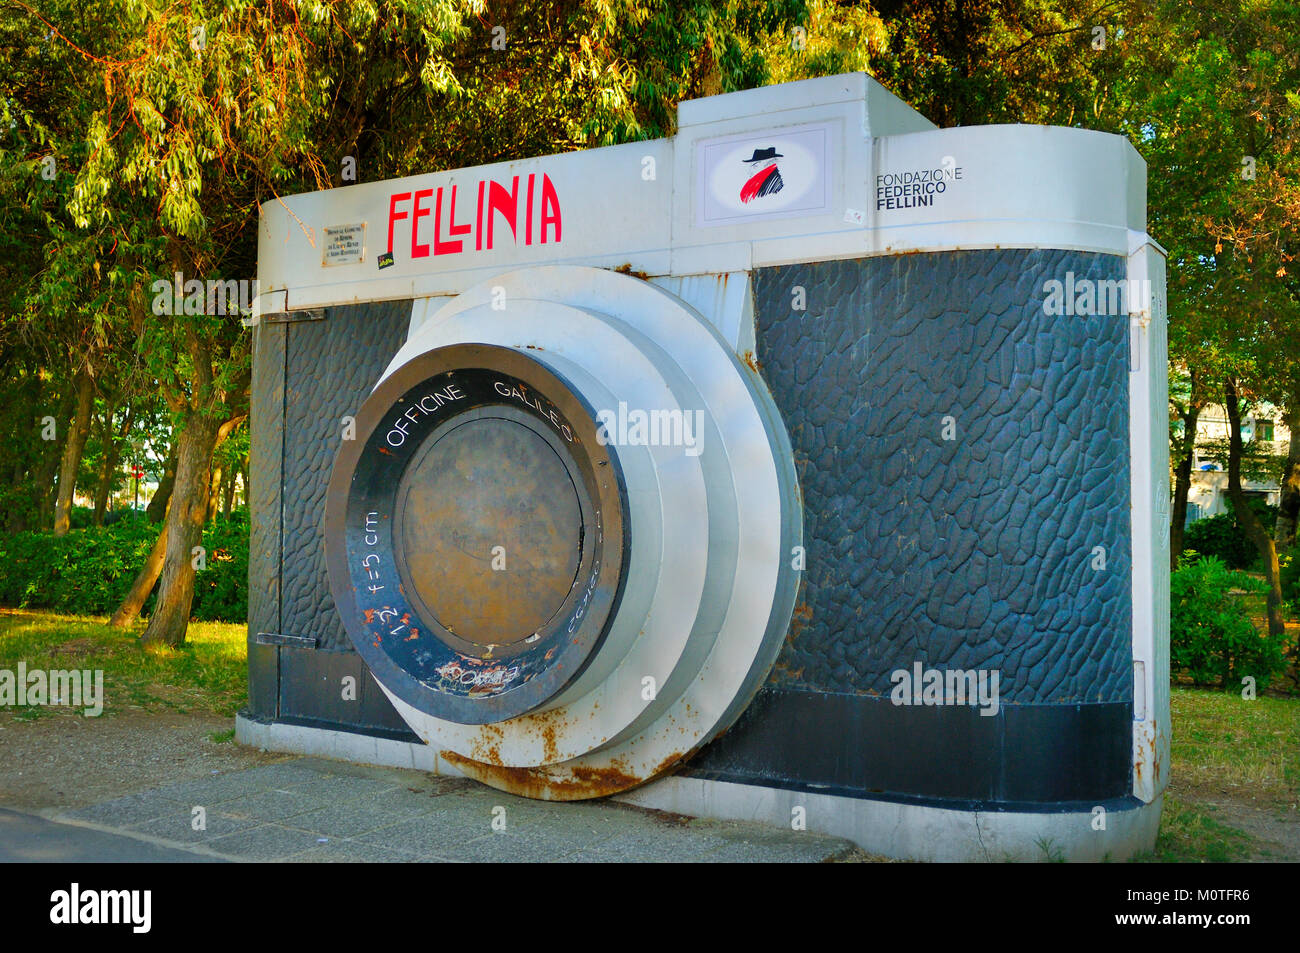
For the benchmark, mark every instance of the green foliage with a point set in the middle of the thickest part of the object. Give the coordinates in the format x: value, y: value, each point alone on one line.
x: 89, y: 571
x: 1223, y: 537
x: 1211, y: 637
x: 1220, y: 537
x: 221, y: 589
x: 1289, y: 565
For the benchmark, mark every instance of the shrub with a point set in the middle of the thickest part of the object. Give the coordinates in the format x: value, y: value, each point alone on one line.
x: 1288, y: 562
x: 1221, y: 538
x: 221, y: 589
x: 89, y: 571
x: 1211, y: 637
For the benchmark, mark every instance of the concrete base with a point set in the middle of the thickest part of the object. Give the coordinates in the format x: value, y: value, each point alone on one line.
x: 890, y: 829
x: 341, y: 746
x: 912, y: 831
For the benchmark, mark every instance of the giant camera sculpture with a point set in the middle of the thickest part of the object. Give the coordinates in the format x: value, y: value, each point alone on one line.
x: 813, y: 425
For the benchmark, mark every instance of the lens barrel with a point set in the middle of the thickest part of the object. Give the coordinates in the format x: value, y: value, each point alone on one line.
x: 563, y: 539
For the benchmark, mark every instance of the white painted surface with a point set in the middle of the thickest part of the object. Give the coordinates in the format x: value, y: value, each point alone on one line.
x: 1149, y: 475
x: 636, y: 204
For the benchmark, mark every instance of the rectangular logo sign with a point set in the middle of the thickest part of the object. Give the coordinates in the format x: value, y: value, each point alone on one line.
x: 762, y: 175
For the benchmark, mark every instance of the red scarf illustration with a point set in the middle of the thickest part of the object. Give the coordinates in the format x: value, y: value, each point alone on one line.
x: 764, y: 182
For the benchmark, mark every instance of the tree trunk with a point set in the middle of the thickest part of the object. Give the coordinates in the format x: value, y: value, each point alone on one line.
x: 171, y: 614
x: 157, y: 507
x: 1289, y: 502
x: 72, y: 454
x: 1250, y: 523
x: 1183, y: 481
x: 104, y: 424
x: 50, y: 466
x: 229, y: 500
x: 199, y: 438
x: 214, y: 493
x: 15, y: 521
x: 130, y: 608
x: 33, y: 477
x: 108, y: 469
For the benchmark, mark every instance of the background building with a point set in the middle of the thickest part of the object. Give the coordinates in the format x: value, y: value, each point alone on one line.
x: 1208, y: 495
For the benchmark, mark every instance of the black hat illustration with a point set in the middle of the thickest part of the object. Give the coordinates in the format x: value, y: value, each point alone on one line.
x: 766, y: 181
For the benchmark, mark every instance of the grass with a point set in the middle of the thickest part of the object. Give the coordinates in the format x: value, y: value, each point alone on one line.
x: 1226, y: 746
x: 209, y: 673
x: 1248, y: 749
x: 1189, y: 834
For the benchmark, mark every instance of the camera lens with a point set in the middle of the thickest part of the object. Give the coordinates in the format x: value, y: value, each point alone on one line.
x: 489, y: 530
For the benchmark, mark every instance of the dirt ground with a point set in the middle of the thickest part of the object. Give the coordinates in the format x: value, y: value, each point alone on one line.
x: 64, y: 760
x: 1275, y: 827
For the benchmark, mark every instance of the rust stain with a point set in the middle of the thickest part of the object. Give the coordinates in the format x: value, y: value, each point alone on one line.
x: 370, y: 616
x: 667, y: 763
x: 549, y: 749
x: 799, y: 619
x: 539, y: 784
x: 626, y: 269
x: 751, y: 361
x: 575, y: 784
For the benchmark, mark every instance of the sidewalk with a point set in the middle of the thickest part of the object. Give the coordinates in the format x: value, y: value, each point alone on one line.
x: 312, y: 810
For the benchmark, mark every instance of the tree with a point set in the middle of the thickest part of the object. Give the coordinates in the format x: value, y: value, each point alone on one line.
x: 1186, y: 400
x: 1246, y: 517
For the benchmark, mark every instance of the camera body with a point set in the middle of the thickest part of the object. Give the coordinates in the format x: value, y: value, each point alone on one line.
x: 811, y: 464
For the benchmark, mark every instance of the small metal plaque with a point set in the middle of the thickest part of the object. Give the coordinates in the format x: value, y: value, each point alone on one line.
x: 344, y: 245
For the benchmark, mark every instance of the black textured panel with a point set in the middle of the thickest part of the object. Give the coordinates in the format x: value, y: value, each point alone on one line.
x: 970, y: 553
x: 863, y: 746
x: 266, y: 441
x: 331, y: 367
x: 265, y: 444
x: 312, y: 690
x: 263, y: 680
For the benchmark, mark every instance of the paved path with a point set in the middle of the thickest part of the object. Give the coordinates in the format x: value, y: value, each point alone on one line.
x: 314, y: 810
x: 32, y: 838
